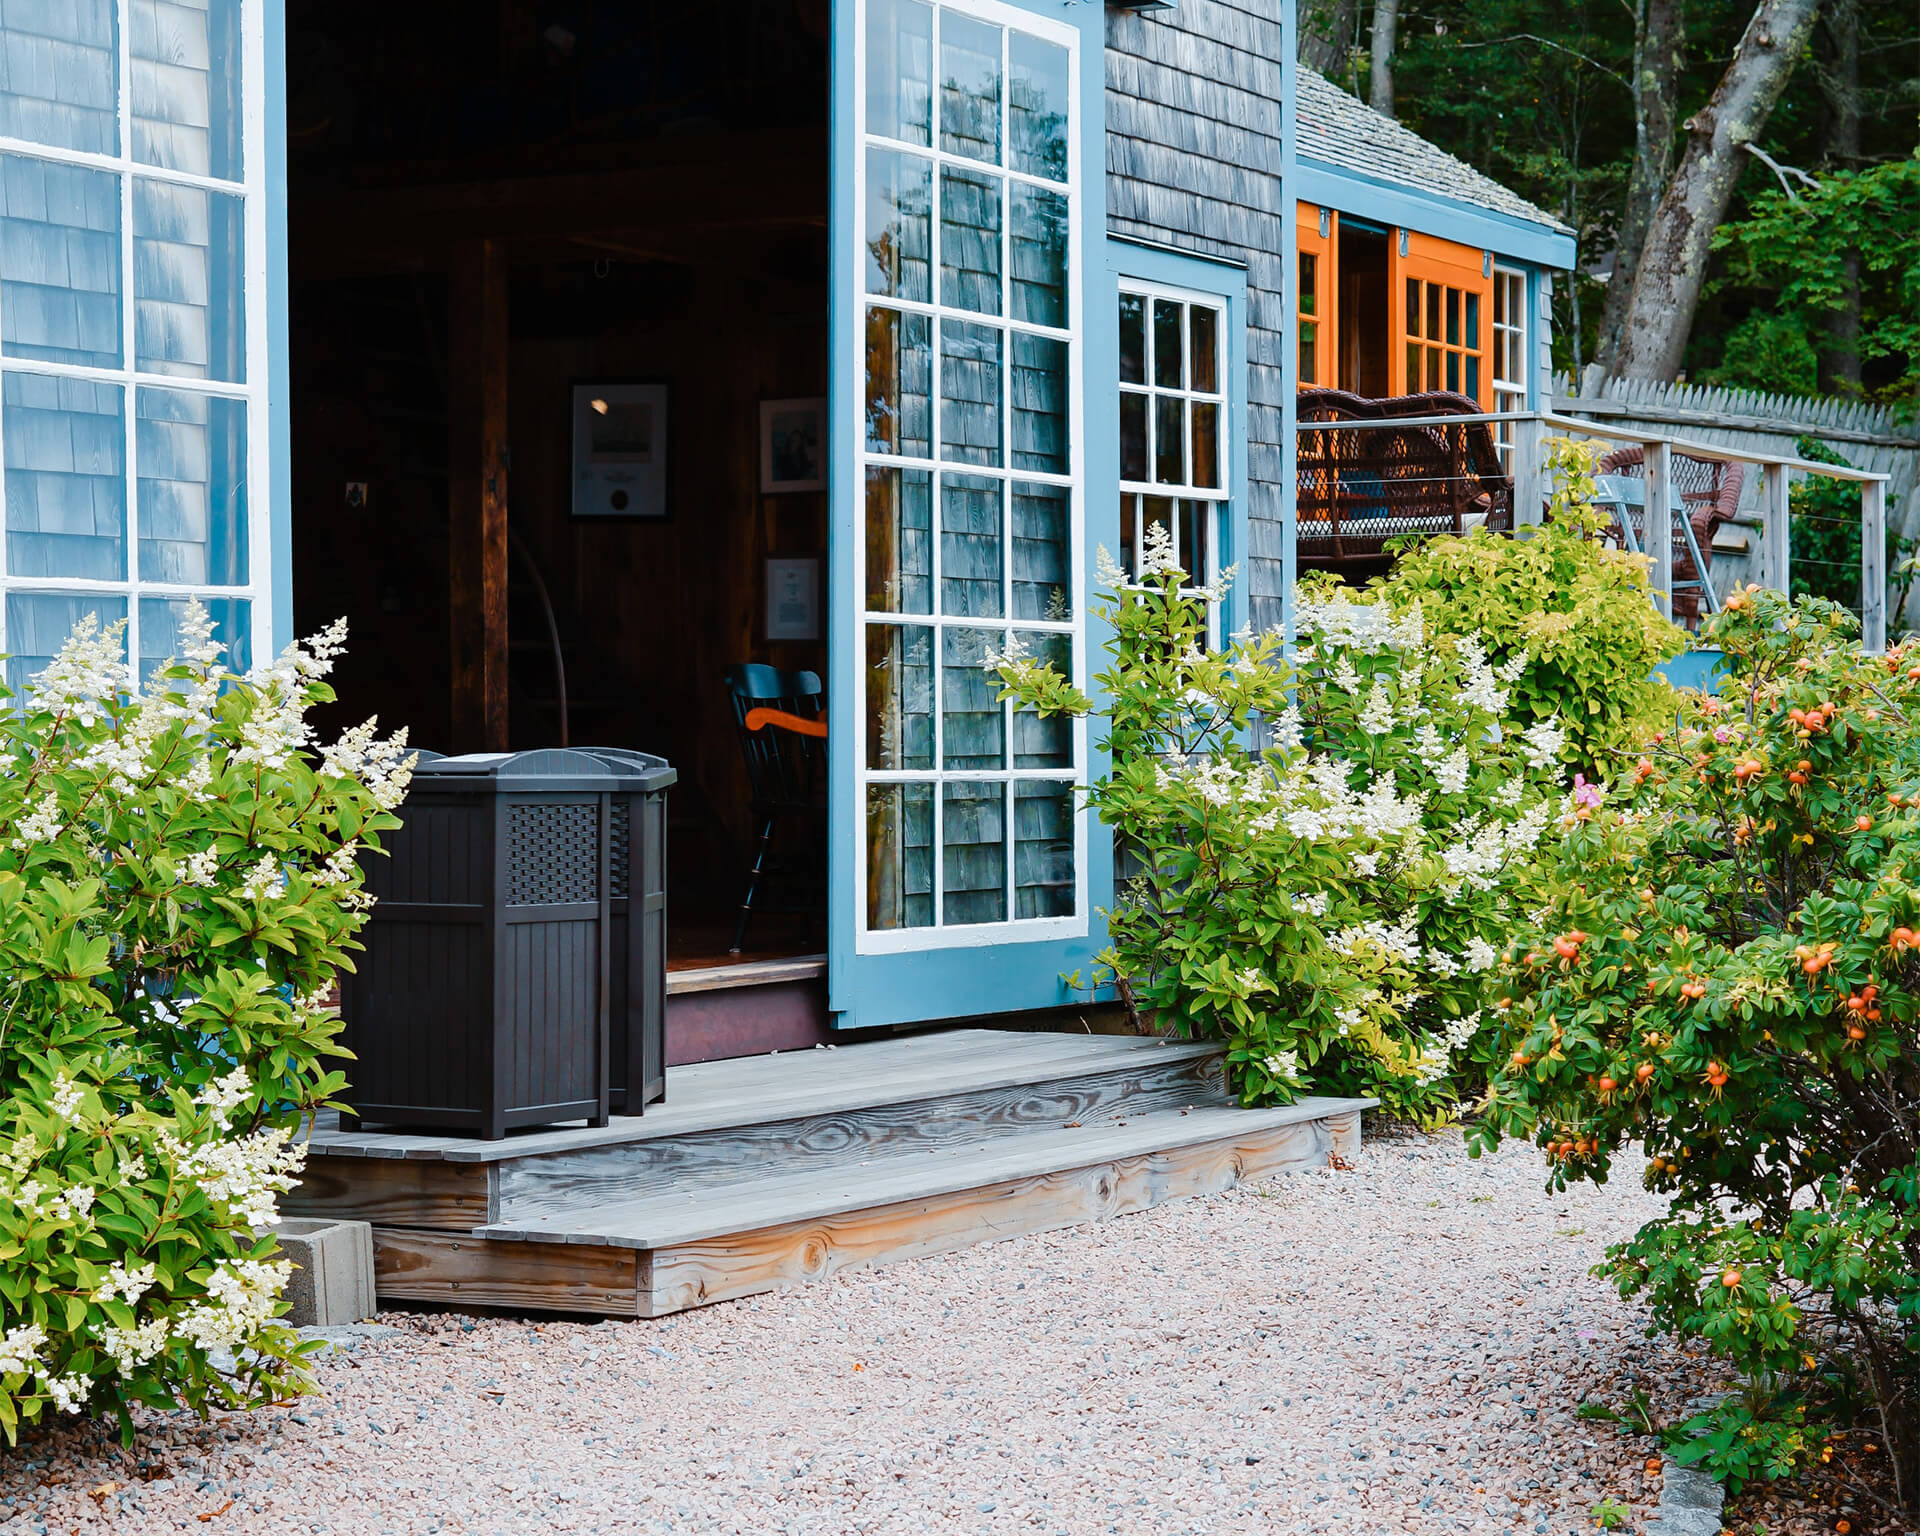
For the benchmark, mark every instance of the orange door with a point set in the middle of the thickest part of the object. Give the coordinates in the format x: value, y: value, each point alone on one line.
x: 1442, y: 295
x: 1318, y: 317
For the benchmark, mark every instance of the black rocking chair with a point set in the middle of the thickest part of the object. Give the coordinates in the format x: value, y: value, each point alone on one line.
x: 783, y: 732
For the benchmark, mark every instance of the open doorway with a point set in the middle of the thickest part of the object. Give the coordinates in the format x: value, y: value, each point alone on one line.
x: 1364, y: 311
x: 489, y: 208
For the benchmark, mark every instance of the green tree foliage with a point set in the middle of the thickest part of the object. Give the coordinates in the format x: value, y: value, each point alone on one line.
x: 1792, y: 252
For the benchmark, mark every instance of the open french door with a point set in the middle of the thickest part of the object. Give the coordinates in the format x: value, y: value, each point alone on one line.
x: 965, y: 864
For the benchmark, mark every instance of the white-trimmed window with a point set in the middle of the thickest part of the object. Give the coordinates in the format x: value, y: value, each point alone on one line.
x: 1509, y: 354
x: 968, y: 195
x: 132, y: 312
x: 1174, y: 438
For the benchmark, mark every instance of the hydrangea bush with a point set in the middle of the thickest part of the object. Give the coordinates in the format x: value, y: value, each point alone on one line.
x: 1319, y: 856
x: 1724, y: 990
x: 179, y: 883
x: 1577, y: 610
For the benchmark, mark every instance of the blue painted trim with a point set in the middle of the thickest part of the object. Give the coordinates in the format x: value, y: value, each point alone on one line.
x: 1331, y: 186
x: 278, y: 341
x: 1694, y: 669
x: 952, y: 983
x: 1147, y: 263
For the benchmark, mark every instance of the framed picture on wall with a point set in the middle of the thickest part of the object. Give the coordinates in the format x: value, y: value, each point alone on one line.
x: 793, y: 446
x: 793, y: 599
x: 619, y: 449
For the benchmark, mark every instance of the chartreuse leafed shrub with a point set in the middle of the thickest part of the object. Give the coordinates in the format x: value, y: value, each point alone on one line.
x: 1328, y: 905
x: 1724, y: 988
x: 178, y: 885
x: 1577, y: 610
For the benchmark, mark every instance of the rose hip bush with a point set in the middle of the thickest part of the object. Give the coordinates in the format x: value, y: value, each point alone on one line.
x: 1328, y: 904
x: 1724, y: 988
x: 178, y: 885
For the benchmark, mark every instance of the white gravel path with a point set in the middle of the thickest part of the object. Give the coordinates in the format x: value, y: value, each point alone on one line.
x: 1395, y: 1348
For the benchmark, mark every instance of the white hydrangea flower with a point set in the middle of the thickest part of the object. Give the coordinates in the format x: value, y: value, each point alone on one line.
x: 265, y: 881
x: 74, y: 1202
x: 1313, y: 904
x: 68, y: 1392
x: 1452, y: 772
x: 1376, y: 716
x: 131, y: 1348
x: 1282, y: 1063
x: 222, y: 1095
x: 201, y: 868
x: 1543, y: 743
x: 1481, y: 956
x: 42, y: 825
x: 20, y: 1350
x: 66, y: 1099
x: 129, y: 1285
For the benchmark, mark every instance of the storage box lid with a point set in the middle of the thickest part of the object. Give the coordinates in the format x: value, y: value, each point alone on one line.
x: 547, y: 768
x: 638, y: 771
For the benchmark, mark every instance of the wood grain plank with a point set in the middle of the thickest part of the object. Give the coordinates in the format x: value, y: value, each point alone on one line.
x: 722, y: 1269
x: 414, y: 1265
x: 532, y: 1188
x: 400, y: 1191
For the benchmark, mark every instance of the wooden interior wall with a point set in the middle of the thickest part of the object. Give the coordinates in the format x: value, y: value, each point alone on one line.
x: 653, y: 612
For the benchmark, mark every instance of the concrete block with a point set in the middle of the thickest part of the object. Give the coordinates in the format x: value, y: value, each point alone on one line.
x: 332, y: 1280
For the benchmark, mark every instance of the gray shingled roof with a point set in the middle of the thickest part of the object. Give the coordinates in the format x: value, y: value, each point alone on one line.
x: 1338, y: 129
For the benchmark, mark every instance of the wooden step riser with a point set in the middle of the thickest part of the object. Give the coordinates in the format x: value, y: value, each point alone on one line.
x: 458, y: 1196
x: 528, y: 1189
x: 415, y: 1265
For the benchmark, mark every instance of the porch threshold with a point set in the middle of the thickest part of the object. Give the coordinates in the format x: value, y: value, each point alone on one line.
x: 749, y: 973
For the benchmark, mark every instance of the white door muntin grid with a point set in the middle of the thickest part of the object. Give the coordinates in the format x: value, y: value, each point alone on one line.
x: 937, y: 466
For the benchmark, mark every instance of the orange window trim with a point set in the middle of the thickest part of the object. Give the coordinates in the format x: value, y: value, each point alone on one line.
x: 1448, y: 275
x: 1322, y: 315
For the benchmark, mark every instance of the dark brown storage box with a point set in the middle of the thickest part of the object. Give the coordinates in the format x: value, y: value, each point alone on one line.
x: 637, y: 975
x: 482, y: 1000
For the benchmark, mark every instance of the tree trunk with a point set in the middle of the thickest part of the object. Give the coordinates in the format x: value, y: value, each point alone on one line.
x: 1673, y: 261
x: 1656, y: 68
x: 1840, y: 84
x: 1326, y: 36
x: 1386, y: 20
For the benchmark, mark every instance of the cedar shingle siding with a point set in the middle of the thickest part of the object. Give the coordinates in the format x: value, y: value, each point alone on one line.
x: 1193, y: 161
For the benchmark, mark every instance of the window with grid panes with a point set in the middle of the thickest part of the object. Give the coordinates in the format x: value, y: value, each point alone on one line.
x: 1443, y: 337
x: 1509, y: 355
x: 131, y: 303
x: 1173, y: 419
x: 971, y: 489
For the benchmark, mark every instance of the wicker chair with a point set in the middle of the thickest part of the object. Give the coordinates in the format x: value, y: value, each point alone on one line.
x: 1710, y: 492
x: 1361, y: 487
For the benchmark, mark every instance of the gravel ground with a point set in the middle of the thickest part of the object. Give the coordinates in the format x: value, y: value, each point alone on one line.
x: 1399, y: 1347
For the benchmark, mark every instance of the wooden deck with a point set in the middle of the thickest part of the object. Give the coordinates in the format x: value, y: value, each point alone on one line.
x: 779, y: 1169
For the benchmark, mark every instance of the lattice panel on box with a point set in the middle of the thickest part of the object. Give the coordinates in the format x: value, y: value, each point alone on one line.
x: 553, y: 854
x: 618, y: 852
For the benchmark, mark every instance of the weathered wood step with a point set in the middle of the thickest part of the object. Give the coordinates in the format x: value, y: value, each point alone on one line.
x: 651, y: 1257
x: 929, y: 1117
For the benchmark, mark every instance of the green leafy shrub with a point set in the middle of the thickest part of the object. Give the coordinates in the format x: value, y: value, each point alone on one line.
x: 178, y: 885
x: 1578, y: 611
x: 1725, y: 982
x: 1328, y: 904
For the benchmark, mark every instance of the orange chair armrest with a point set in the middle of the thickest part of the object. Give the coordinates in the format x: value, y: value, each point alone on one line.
x: 761, y: 717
